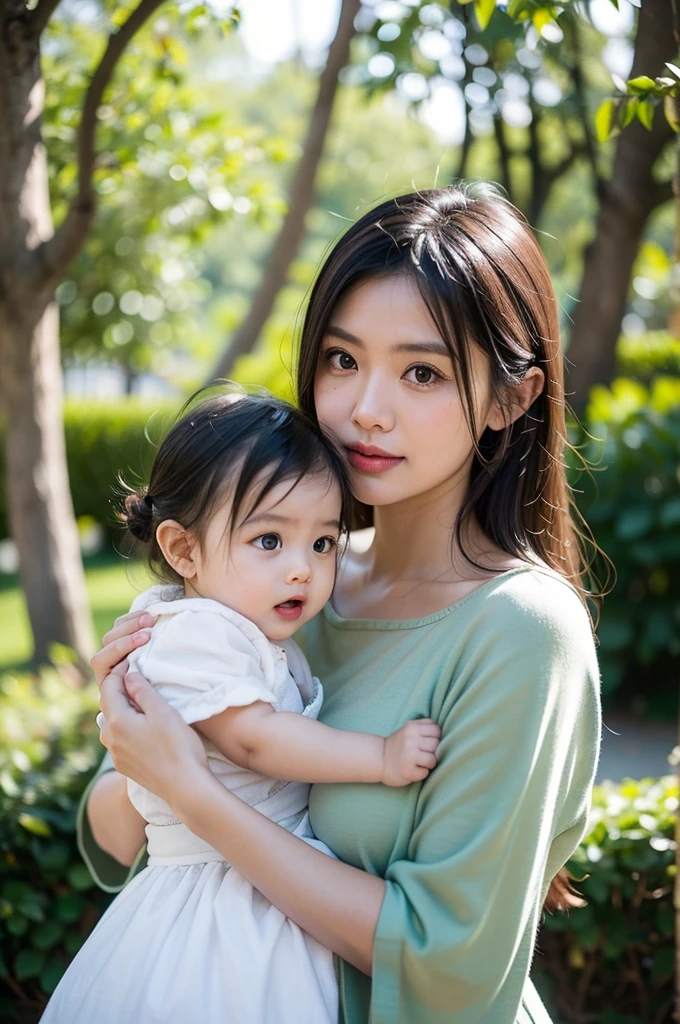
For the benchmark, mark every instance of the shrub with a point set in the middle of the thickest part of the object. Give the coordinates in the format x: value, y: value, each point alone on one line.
x: 104, y: 439
x: 48, y: 903
x: 645, y: 356
x: 49, y: 748
x: 613, y: 961
x: 632, y: 504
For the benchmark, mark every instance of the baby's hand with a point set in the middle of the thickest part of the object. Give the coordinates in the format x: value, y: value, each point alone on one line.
x: 410, y: 752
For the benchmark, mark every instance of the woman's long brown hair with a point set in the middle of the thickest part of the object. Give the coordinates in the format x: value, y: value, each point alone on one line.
x: 484, y: 280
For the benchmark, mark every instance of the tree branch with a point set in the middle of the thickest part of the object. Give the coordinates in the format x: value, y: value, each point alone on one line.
x: 504, y: 155
x: 58, y: 252
x: 576, y: 75
x: 42, y: 14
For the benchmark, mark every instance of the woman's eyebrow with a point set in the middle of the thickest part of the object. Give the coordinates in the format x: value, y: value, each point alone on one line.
x: 437, y: 348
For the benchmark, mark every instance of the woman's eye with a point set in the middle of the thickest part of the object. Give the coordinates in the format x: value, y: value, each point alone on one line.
x: 323, y: 545
x: 268, y: 541
x: 340, y: 360
x: 423, y: 374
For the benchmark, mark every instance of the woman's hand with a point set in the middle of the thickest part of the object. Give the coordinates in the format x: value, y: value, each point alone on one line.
x: 127, y: 633
x: 149, y: 742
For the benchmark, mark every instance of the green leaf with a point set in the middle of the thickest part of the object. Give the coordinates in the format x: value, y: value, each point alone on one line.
x: 604, y: 118
x: 17, y: 924
x: 541, y: 18
x: 51, y: 976
x: 47, y: 935
x: 641, y: 85
x: 484, y: 10
x: 28, y: 964
x: 79, y: 877
x: 645, y: 113
x: 35, y: 825
x: 670, y: 109
x: 69, y: 908
x: 629, y: 111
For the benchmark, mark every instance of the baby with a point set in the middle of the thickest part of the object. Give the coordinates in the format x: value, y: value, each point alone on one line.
x: 243, y: 516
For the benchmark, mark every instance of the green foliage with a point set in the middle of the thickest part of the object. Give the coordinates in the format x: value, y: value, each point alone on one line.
x: 175, y: 163
x: 613, y: 960
x: 639, y: 97
x: 631, y: 500
x: 48, y: 903
x: 648, y: 355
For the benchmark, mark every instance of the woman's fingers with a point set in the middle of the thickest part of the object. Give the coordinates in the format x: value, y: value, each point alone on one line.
x: 148, y: 740
x: 128, y: 624
x: 129, y: 632
x: 140, y: 691
x: 113, y: 697
x: 114, y: 652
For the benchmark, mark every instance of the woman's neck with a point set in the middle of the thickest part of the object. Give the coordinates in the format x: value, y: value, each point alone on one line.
x: 415, y: 540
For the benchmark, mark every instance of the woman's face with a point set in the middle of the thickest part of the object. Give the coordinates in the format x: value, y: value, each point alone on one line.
x: 385, y: 386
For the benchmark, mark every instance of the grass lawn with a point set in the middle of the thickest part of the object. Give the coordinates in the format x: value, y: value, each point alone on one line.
x: 112, y: 583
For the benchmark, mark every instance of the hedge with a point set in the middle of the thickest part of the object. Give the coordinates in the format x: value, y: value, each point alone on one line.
x: 611, y: 962
x: 631, y: 501
x: 103, y: 440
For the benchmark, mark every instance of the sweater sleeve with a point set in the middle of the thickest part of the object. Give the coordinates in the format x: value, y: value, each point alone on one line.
x: 109, y: 874
x: 504, y: 809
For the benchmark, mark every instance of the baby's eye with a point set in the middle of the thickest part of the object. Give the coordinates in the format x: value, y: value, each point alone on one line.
x: 268, y: 541
x: 323, y: 545
x: 340, y: 360
x: 423, y: 374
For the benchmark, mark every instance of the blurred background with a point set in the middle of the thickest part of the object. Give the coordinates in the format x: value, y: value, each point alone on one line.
x: 172, y: 174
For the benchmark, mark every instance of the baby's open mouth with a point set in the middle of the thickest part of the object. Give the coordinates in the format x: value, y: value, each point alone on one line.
x: 291, y: 609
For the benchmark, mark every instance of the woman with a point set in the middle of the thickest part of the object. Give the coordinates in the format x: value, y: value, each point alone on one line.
x: 430, y: 348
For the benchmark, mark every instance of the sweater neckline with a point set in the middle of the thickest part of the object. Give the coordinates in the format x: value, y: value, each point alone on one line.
x: 339, y: 622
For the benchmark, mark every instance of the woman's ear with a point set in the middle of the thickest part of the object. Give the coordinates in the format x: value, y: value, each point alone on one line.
x: 523, y: 396
x: 178, y: 547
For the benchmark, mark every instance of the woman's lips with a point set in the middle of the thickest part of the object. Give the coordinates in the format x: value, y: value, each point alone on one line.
x: 368, y: 463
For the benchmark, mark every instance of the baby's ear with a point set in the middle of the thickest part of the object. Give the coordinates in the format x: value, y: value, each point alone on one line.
x: 178, y: 547
x: 523, y: 396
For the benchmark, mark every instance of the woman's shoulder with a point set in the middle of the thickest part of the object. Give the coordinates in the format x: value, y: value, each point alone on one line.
x: 537, y: 606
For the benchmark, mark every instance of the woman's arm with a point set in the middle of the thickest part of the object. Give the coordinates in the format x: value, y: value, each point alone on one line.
x: 337, y: 904
x: 286, y: 745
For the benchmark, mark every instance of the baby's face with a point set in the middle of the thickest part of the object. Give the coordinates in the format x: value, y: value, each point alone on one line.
x: 278, y: 567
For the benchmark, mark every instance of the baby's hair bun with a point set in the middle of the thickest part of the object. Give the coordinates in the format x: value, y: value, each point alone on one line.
x: 138, y: 516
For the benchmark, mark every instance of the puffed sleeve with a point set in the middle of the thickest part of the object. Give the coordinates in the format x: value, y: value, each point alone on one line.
x: 202, y: 663
x: 504, y: 809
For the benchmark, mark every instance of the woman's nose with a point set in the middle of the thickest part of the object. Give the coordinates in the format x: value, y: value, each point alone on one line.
x: 371, y: 409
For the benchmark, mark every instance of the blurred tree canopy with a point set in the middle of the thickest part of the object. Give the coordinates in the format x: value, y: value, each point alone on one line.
x: 175, y: 164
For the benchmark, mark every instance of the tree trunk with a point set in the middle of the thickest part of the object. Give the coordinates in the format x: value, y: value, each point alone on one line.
x: 40, y: 507
x: 300, y: 200
x: 626, y: 201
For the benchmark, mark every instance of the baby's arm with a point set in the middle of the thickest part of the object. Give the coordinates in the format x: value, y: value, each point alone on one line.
x: 285, y: 745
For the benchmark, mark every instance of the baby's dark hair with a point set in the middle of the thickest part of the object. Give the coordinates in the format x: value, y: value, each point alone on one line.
x: 222, y: 445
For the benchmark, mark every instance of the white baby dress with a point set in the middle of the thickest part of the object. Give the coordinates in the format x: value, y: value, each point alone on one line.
x: 189, y: 939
